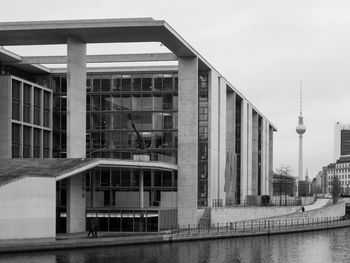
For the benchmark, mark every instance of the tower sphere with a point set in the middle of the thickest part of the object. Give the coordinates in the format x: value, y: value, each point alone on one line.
x: 300, y: 129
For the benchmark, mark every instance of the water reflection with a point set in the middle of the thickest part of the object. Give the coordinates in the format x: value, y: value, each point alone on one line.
x: 322, y: 246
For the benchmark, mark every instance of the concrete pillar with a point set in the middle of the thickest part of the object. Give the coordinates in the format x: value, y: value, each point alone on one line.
x: 270, y: 174
x: 222, y: 139
x: 250, y: 150
x: 230, y: 178
x: 213, y: 139
x: 188, y: 140
x: 76, y: 98
x: 141, y: 189
x: 266, y: 158
x: 5, y: 117
x: 76, y: 131
x: 244, y: 150
x: 76, y: 204
x: 255, y: 139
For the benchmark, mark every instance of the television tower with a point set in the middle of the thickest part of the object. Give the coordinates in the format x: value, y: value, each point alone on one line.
x: 300, y: 129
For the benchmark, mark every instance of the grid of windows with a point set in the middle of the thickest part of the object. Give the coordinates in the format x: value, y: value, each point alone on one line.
x: 114, y: 104
x: 203, y: 104
x: 31, y: 118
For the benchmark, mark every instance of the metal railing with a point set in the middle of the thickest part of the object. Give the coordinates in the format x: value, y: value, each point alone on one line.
x: 260, y: 226
x: 257, y: 202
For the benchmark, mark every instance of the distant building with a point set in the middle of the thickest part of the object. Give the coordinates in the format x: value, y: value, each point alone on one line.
x: 304, y: 188
x: 341, y: 140
x: 283, y: 185
x: 340, y: 169
x: 320, y: 182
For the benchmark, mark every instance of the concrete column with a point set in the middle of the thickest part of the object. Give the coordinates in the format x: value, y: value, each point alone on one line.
x: 263, y: 157
x: 255, y: 134
x: 230, y: 121
x: 230, y: 178
x: 244, y: 150
x: 5, y: 117
x: 213, y: 136
x: 76, y: 204
x: 267, y: 158
x: 141, y: 189
x: 222, y: 139
x: 188, y: 140
x: 76, y: 98
x: 270, y: 189
x: 250, y: 150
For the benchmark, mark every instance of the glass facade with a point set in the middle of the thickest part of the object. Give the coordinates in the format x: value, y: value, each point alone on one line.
x: 203, y: 104
x: 31, y: 119
x: 113, y: 197
x: 115, y: 102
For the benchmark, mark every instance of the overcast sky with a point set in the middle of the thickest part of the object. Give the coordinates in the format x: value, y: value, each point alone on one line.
x: 264, y: 48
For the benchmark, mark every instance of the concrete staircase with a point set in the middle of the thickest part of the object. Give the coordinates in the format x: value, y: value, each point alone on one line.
x: 205, y: 220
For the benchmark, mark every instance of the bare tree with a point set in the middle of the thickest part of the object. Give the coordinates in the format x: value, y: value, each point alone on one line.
x: 336, y: 189
x: 284, y: 170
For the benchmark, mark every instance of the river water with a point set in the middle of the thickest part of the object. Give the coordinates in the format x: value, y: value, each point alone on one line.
x: 320, y: 246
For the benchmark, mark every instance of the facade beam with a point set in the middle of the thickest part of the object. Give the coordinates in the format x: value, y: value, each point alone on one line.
x: 106, y: 58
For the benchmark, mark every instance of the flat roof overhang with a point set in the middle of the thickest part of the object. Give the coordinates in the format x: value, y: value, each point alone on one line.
x: 94, y: 31
x: 117, y: 163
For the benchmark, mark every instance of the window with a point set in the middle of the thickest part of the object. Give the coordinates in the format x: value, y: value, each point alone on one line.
x: 36, y: 146
x: 26, y: 102
x: 37, y: 106
x: 16, y: 86
x: 15, y: 140
x: 26, y: 142
x: 46, y: 109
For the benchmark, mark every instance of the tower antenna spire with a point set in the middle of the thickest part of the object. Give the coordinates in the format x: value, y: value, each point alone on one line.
x: 301, y: 98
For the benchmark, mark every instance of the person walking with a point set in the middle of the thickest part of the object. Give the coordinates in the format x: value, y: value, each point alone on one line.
x: 95, y: 226
x: 91, y: 228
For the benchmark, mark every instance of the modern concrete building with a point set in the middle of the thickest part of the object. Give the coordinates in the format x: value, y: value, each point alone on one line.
x: 140, y: 148
x: 341, y: 140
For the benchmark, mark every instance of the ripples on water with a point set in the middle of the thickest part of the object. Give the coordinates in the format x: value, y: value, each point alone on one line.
x: 321, y: 246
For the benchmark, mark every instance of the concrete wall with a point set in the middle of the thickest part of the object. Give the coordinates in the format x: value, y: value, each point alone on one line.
x: 188, y: 140
x: 5, y: 116
x: 326, y: 211
x: 168, y: 199
x: 225, y: 215
x: 28, y: 208
x: 76, y: 204
x: 125, y: 199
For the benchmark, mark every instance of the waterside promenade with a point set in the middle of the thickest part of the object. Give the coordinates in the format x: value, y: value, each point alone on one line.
x: 229, y: 230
